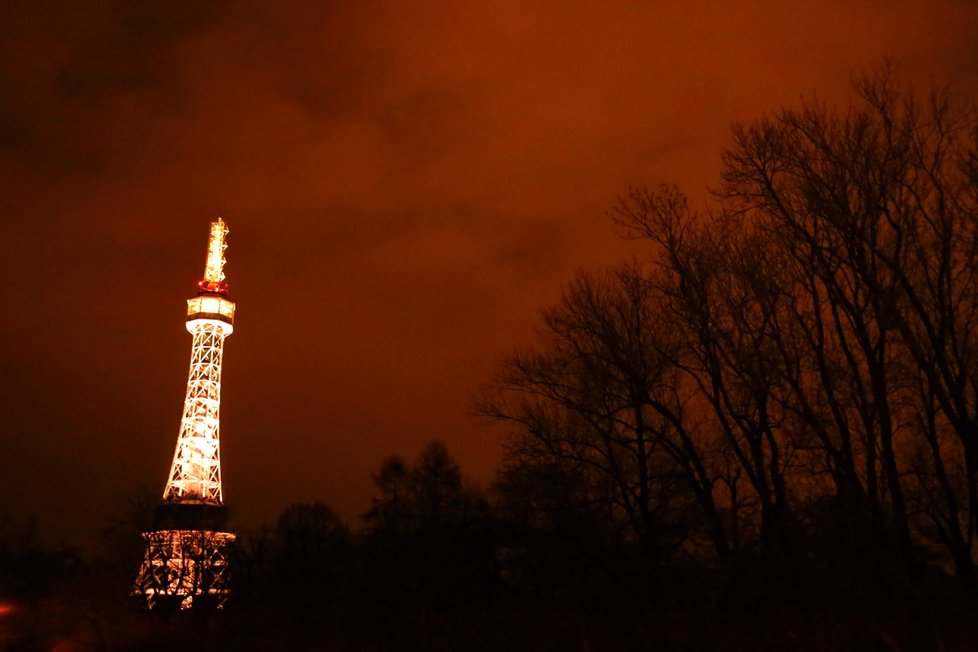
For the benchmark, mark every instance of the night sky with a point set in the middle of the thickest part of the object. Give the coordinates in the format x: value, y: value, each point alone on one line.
x: 407, y: 184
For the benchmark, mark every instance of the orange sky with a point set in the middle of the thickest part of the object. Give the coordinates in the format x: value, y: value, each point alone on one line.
x: 406, y: 183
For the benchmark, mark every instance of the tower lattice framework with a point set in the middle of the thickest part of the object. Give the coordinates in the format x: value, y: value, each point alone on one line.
x: 186, y: 559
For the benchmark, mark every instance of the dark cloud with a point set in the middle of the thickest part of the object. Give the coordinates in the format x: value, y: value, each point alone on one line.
x: 407, y: 184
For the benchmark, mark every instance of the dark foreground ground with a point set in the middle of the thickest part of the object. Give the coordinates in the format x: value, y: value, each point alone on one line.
x: 755, y: 607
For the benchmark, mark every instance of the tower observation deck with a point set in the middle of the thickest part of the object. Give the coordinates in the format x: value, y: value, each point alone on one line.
x: 186, y: 552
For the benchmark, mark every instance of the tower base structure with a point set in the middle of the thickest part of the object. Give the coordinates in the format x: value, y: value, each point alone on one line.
x: 186, y: 562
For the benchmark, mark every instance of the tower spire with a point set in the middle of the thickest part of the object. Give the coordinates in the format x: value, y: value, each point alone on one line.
x: 186, y: 558
x: 213, y: 280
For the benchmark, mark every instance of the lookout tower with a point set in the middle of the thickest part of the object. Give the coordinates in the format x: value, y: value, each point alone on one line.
x: 186, y: 551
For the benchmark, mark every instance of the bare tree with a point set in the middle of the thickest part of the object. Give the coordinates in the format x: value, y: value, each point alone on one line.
x: 879, y: 204
x: 715, y: 291
x: 602, y: 402
x: 831, y: 302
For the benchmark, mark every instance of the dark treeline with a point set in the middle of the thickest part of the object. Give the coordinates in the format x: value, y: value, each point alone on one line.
x: 790, y: 386
x: 792, y: 382
x: 802, y: 356
x: 764, y: 436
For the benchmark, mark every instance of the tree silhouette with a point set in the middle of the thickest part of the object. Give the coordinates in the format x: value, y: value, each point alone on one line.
x: 844, y: 245
x: 428, y: 536
x: 311, y: 545
x: 799, y: 360
x: 603, y: 404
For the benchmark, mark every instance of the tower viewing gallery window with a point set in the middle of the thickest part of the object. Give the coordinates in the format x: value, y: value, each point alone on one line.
x: 210, y: 305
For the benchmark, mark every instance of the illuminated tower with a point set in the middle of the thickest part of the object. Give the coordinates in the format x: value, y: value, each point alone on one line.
x: 186, y: 552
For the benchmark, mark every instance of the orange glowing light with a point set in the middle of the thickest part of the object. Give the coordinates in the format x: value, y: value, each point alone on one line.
x: 214, y: 272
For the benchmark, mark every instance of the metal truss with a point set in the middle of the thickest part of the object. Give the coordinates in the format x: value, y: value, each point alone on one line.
x: 195, y: 474
x: 184, y: 569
